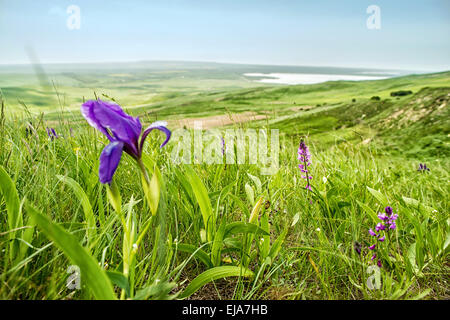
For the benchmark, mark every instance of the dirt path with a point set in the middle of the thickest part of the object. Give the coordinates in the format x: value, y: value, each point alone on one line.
x: 217, y: 121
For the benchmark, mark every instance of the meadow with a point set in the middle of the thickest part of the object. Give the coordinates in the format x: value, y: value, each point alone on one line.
x: 162, y: 230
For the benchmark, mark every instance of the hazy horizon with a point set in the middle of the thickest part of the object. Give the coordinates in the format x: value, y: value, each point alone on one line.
x: 155, y: 61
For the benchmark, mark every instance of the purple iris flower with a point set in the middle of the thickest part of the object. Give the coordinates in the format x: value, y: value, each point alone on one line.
x: 123, y: 131
x: 423, y: 167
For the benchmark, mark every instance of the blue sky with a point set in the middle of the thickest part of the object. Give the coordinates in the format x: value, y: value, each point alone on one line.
x: 414, y: 35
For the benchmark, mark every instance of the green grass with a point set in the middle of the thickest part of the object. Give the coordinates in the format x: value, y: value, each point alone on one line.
x: 242, y: 234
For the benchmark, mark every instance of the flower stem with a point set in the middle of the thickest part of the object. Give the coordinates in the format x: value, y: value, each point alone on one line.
x: 144, y: 171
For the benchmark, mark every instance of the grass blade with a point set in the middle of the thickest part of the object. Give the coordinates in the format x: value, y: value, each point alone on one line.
x: 94, y: 277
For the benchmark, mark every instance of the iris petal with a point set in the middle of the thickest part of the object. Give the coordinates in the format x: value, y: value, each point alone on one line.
x: 160, y: 125
x: 109, y: 160
x: 108, y: 116
x: 87, y: 110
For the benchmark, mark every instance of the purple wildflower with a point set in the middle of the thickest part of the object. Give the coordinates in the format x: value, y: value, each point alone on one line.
x: 305, y: 158
x: 123, y: 131
x: 358, y: 247
x: 388, y: 218
x: 423, y: 168
x: 223, y: 146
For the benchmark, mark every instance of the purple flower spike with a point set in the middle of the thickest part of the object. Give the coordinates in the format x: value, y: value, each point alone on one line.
x: 223, y: 145
x: 372, y: 233
x: 388, y: 210
x: 372, y: 247
x: 305, y: 161
x: 123, y: 130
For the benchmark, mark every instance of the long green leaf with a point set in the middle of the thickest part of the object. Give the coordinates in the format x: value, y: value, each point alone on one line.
x: 214, y: 274
x: 119, y: 280
x: 218, y: 244
x: 8, y: 189
x: 379, y: 196
x: 242, y: 227
x: 94, y: 277
x: 15, y: 219
x: 196, y: 251
x: 201, y: 194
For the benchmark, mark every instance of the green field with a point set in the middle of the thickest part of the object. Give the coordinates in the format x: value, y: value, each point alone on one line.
x: 224, y: 231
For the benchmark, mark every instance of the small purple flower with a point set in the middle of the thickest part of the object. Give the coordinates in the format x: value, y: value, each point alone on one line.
x: 393, y: 217
x: 379, y: 227
x: 374, y: 256
x: 123, y: 131
x: 388, y: 210
x: 303, y: 152
x: 379, y: 263
x: 372, y: 247
x: 382, y: 238
x: 423, y: 168
x: 52, y: 133
x: 382, y: 216
x: 358, y: 247
x: 372, y: 233
x: 393, y: 226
